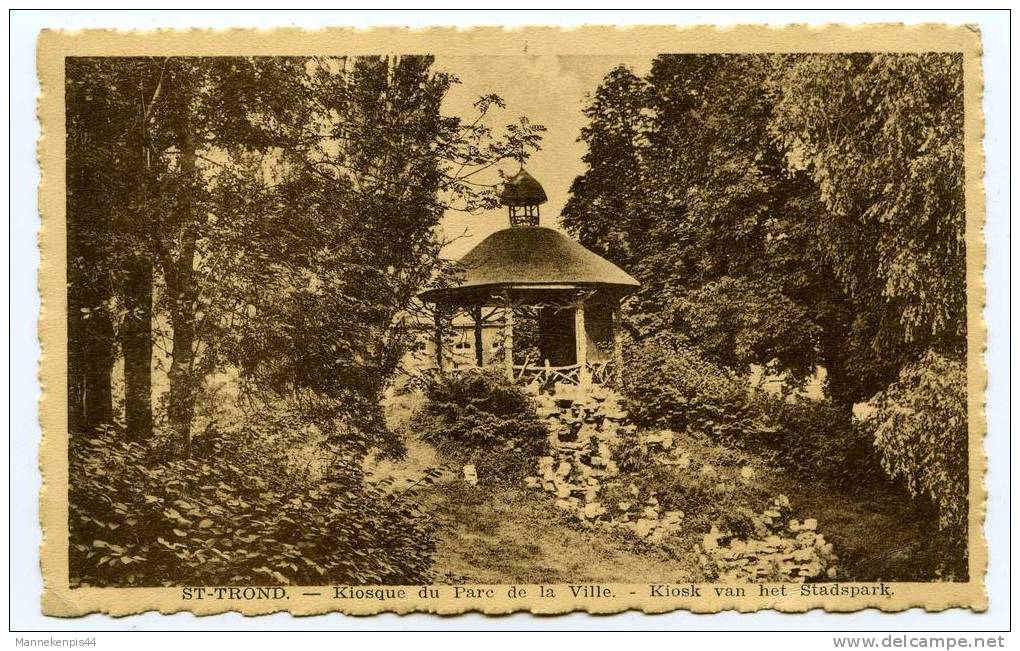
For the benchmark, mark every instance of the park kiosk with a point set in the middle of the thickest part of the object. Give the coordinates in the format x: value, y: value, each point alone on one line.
x: 530, y: 272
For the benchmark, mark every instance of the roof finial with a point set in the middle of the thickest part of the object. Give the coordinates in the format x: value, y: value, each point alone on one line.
x: 522, y: 195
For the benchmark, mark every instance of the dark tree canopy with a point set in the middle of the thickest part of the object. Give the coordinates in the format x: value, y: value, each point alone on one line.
x: 286, y: 208
x: 803, y: 209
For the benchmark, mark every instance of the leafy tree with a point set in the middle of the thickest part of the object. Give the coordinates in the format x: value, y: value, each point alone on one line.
x: 709, y: 219
x: 797, y: 208
x: 882, y: 136
x: 606, y: 203
x: 920, y: 430
x: 109, y: 261
x: 338, y: 242
x: 289, y: 205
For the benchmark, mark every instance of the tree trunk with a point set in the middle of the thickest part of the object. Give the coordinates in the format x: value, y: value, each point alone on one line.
x: 136, y: 342
x: 181, y: 407
x: 89, y: 368
x: 182, y: 289
x: 98, y: 391
x: 479, y: 349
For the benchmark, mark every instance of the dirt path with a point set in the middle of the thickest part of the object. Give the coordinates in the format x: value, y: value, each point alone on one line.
x: 489, y: 535
x: 511, y: 535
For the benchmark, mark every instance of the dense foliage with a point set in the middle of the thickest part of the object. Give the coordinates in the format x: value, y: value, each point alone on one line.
x: 815, y: 439
x: 920, y: 430
x: 266, y: 219
x: 480, y: 417
x: 793, y: 211
x: 239, y: 512
x: 290, y: 207
x: 670, y: 384
x: 803, y: 208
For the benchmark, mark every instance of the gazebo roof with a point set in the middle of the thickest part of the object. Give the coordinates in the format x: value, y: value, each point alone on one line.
x: 533, y: 258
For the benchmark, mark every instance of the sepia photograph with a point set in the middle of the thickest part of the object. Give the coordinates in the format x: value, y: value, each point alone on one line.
x: 532, y: 327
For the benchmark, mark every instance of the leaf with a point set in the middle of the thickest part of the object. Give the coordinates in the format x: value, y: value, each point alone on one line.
x: 179, y: 532
x: 205, y: 523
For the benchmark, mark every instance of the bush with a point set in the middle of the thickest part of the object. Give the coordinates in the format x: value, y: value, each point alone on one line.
x: 241, y: 514
x: 920, y: 430
x: 480, y: 417
x: 669, y: 384
x: 815, y: 438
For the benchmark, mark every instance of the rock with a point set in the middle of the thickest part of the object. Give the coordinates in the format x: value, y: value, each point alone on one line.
x: 672, y: 518
x: 634, y: 490
x: 662, y: 438
x: 650, y: 513
x: 644, y: 527
x: 563, y: 490
x: 623, y: 506
x: 564, y: 505
x: 684, y: 461
x: 563, y: 469
x: 810, y: 524
x: 471, y: 474
x: 586, y: 432
x: 533, y: 482
x: 593, y: 510
x: 609, y: 430
x: 707, y: 471
x: 747, y: 473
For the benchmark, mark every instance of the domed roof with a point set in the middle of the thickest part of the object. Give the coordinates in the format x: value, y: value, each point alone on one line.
x: 534, y: 257
x: 522, y: 190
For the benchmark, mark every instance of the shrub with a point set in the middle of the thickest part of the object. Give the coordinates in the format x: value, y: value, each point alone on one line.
x: 920, y: 430
x: 241, y: 514
x: 480, y: 417
x: 669, y: 384
x: 815, y: 438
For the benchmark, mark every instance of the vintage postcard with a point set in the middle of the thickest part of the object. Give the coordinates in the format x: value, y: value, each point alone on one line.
x: 495, y: 320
